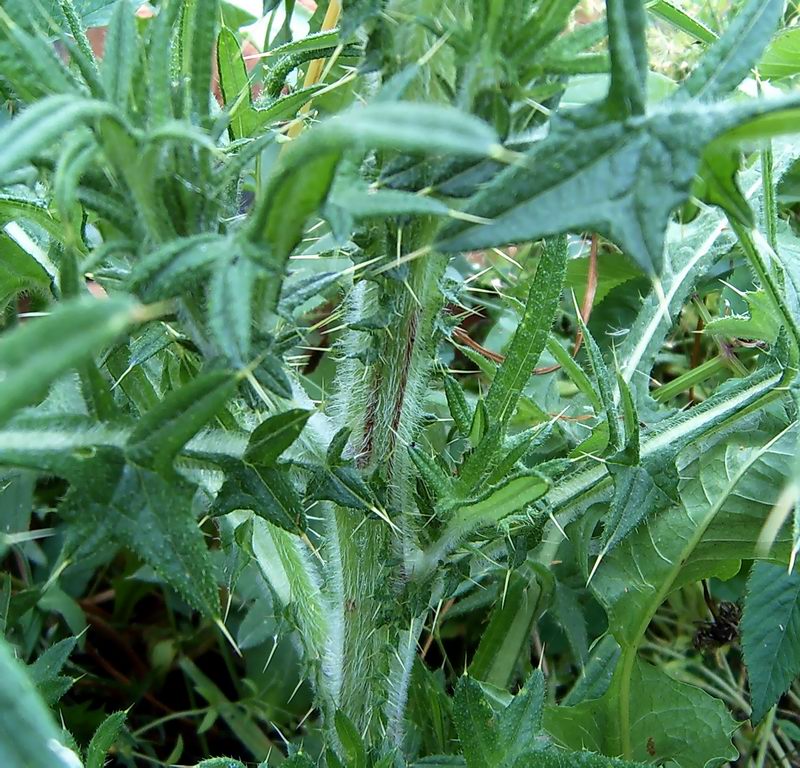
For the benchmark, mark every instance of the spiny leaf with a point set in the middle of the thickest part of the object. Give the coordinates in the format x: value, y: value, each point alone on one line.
x: 270, y: 373
x: 730, y: 59
x: 29, y: 737
x: 343, y: 485
x: 604, y: 386
x: 478, y: 730
x: 163, y: 431
x: 46, y: 671
x: 153, y: 517
x: 531, y: 335
x: 626, y: 28
x: 274, y: 435
x: 267, y: 492
x: 103, y: 739
x: 521, y: 720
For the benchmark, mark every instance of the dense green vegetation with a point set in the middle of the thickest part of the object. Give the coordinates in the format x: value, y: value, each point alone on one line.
x: 420, y: 390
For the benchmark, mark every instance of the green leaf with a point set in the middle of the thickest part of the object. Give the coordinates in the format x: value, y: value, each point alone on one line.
x: 770, y: 630
x: 478, y: 731
x: 172, y: 267
x: 525, y: 597
x: 760, y: 325
x: 29, y: 737
x: 669, y: 721
x: 646, y: 164
x: 203, y: 22
x: 103, y: 739
x: 782, y: 56
x: 120, y: 54
x: 44, y: 124
x: 304, y: 174
x: 272, y: 375
x: 234, y: 84
x: 531, y: 334
x: 230, y: 311
x: 343, y: 485
x: 161, y: 433
x: 457, y: 405
x: 726, y: 493
x: 554, y: 758
x: 19, y: 273
x: 717, y: 182
x: 681, y: 20
x: 32, y: 356
x: 352, y: 743
x: 521, y: 720
x: 626, y: 40
x: 604, y: 387
x: 267, y: 492
x: 730, y: 59
x: 274, y: 435
x: 437, y: 481
x: 45, y: 671
x: 153, y: 517
x: 636, y: 497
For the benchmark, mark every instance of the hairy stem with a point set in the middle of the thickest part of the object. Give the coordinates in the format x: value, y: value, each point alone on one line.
x: 381, y: 398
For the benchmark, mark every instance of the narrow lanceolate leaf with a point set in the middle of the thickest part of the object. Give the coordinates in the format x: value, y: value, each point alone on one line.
x: 351, y: 741
x: 234, y: 84
x: 119, y: 57
x: 604, y: 386
x: 103, y: 739
x: 343, y: 485
x: 274, y: 435
x: 32, y: 356
x: 29, y: 737
x: 771, y: 634
x: 163, y: 431
x: 730, y: 59
x: 531, y: 335
x: 271, y: 375
x: 169, y: 269
x: 41, y: 126
x: 205, y: 17
x: 457, y: 405
x: 230, y: 312
x: 626, y: 28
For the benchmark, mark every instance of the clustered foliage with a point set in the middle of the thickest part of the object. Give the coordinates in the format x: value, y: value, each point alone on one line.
x: 424, y: 394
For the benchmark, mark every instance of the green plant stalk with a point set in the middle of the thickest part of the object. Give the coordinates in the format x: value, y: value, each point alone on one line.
x: 690, y: 379
x: 382, y: 401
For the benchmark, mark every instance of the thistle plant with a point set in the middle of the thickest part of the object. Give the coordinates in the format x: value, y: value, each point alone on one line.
x: 183, y: 238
